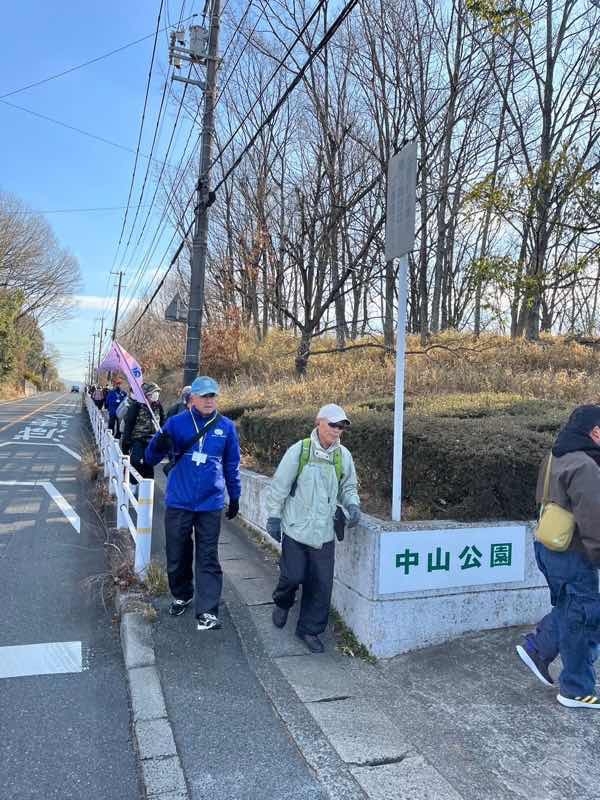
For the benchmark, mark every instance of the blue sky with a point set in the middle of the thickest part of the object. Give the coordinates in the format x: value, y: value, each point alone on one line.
x: 49, y: 167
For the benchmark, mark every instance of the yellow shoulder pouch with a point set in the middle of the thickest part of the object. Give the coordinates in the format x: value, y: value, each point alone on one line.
x: 556, y: 525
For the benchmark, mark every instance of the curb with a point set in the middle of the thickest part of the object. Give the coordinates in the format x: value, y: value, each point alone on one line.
x: 161, y: 771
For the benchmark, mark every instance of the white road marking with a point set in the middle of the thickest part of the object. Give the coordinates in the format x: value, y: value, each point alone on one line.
x: 55, y: 495
x: 63, y: 504
x: 17, y: 661
x: 46, y: 444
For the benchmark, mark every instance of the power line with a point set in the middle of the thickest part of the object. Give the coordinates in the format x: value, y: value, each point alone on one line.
x: 159, y: 123
x: 155, y: 241
x: 162, y: 169
x: 74, y: 128
x: 243, y: 50
x: 315, y: 13
x: 164, y: 277
x: 323, y: 42
x: 72, y: 210
x: 159, y: 119
x: 160, y: 9
x: 299, y: 75
x: 85, y: 63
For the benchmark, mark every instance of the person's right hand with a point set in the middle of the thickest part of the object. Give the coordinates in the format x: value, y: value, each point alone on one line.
x: 164, y: 443
x: 274, y: 528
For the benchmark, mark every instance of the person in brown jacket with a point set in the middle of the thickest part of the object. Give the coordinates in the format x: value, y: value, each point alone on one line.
x: 572, y: 628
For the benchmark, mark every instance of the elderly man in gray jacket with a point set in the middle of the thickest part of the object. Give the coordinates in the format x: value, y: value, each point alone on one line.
x: 314, y: 484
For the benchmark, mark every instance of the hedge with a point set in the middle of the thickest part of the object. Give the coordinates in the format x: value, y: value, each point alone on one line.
x: 479, y: 467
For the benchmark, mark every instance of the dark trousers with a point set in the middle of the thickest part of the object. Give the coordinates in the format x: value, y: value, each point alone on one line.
x: 193, y: 538
x: 136, y: 456
x: 313, y: 569
x: 113, y: 425
x: 572, y: 628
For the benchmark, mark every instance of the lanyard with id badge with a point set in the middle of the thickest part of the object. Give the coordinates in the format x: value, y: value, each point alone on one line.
x: 198, y: 457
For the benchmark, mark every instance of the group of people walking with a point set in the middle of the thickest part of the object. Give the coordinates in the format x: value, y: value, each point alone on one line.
x: 314, y: 488
x: 313, y: 498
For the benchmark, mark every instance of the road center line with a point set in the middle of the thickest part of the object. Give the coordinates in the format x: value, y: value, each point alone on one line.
x: 31, y: 413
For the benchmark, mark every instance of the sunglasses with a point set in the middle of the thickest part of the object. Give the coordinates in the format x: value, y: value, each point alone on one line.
x: 338, y: 425
x: 211, y: 394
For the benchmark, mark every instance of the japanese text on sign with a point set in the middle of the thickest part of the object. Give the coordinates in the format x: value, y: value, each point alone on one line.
x: 447, y: 558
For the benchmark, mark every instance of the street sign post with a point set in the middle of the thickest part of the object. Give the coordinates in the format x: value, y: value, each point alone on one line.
x: 399, y: 241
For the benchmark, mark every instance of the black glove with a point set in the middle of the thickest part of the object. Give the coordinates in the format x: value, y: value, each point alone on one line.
x: 274, y: 528
x: 339, y: 524
x: 233, y: 510
x: 353, y: 516
x: 164, y: 443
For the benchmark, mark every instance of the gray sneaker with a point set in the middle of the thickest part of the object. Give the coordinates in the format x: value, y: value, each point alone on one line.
x: 207, y: 622
x: 537, y: 665
x: 178, y: 607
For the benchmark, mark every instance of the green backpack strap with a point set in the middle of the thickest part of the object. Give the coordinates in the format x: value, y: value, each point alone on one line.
x: 337, y: 463
x: 305, y: 458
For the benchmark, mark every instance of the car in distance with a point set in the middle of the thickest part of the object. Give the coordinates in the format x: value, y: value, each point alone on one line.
x: 75, y: 388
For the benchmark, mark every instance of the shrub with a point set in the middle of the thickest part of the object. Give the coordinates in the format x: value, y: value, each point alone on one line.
x: 455, y: 467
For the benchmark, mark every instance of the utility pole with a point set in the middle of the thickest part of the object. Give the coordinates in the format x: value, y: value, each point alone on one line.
x: 93, y: 356
x: 199, y: 53
x: 114, y: 331
x: 116, y: 319
x: 101, y: 335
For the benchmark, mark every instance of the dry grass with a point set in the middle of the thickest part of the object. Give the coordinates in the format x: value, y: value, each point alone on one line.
x: 156, y: 581
x: 494, y: 368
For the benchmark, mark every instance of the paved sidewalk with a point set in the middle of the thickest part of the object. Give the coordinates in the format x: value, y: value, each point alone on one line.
x: 465, y: 720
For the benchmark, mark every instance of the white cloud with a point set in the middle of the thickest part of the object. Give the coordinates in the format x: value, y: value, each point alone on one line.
x: 93, y: 302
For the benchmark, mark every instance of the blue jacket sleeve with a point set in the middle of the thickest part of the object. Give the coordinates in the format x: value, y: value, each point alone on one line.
x: 152, y: 455
x: 231, y: 464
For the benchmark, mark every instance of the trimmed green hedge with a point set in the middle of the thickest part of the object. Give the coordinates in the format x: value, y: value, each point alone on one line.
x: 478, y: 467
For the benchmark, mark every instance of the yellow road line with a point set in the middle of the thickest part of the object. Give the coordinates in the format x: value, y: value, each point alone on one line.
x: 31, y: 413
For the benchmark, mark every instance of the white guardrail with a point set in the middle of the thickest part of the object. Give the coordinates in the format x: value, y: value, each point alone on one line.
x: 117, y: 469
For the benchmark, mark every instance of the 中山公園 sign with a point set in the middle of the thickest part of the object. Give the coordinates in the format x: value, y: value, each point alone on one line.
x: 440, y: 559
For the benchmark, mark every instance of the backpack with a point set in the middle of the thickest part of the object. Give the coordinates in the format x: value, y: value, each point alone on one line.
x: 122, y: 409
x: 305, y: 458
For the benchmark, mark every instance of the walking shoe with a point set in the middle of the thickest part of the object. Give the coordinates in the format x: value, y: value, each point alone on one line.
x: 207, y: 622
x: 178, y: 607
x: 314, y: 644
x: 280, y: 616
x: 537, y: 665
x: 587, y: 701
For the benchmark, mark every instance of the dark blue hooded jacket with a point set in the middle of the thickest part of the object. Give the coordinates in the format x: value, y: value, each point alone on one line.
x: 114, y: 399
x: 200, y: 486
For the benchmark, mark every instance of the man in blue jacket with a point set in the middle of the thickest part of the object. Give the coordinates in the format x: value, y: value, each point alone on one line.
x: 205, y: 458
x: 113, y: 400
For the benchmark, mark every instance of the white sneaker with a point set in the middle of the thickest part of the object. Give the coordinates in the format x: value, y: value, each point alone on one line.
x: 207, y: 622
x: 586, y: 701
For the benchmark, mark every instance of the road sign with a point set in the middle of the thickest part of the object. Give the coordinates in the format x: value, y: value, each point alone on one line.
x: 401, y: 197
x: 176, y: 311
x: 399, y: 241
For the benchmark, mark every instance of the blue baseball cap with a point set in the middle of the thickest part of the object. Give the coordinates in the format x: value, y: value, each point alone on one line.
x: 204, y: 385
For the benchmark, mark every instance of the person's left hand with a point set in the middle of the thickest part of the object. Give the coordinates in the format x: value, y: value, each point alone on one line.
x: 233, y: 510
x: 353, y: 516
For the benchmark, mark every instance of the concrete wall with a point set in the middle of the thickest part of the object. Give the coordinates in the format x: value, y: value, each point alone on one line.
x: 396, y: 623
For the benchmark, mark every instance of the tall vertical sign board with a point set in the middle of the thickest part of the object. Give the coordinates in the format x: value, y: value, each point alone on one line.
x: 399, y: 241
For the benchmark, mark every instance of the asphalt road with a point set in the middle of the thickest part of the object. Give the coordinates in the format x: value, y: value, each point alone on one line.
x: 64, y: 712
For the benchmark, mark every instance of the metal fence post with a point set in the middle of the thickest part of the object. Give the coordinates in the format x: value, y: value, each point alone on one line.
x: 143, y: 539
